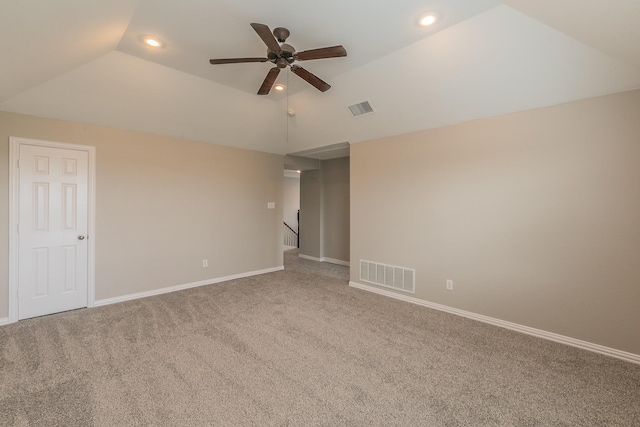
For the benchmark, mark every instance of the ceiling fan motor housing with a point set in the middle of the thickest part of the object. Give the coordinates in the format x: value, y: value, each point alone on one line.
x: 285, y: 57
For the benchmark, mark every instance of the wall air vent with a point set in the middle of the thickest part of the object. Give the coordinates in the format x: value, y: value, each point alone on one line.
x: 399, y: 278
x: 360, y: 109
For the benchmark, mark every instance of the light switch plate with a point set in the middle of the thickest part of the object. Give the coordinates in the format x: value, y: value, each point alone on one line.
x: 271, y: 205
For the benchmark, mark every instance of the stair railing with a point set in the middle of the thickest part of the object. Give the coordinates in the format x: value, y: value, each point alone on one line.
x: 290, y: 236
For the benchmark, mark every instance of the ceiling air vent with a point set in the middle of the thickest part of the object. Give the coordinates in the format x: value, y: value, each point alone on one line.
x: 360, y: 109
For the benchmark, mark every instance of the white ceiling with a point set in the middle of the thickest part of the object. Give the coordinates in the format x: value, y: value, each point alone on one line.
x: 82, y: 60
x: 608, y: 25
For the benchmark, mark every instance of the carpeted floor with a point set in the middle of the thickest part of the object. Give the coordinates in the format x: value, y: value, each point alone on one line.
x: 298, y: 348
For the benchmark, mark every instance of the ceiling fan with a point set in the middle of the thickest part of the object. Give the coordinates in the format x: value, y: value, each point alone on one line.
x: 283, y: 55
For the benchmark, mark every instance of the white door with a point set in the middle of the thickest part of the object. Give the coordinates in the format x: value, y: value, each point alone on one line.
x: 52, y: 230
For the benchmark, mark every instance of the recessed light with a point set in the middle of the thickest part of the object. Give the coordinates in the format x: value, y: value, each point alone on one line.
x: 279, y: 87
x: 428, y: 19
x: 153, y: 42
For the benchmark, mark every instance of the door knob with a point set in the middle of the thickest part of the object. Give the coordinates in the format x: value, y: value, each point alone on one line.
x: 80, y: 237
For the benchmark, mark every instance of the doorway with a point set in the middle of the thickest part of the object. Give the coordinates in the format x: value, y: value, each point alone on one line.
x: 52, y: 244
x: 291, y: 209
x: 324, y: 203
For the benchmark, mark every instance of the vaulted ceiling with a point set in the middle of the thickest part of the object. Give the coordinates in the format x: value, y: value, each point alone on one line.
x: 83, y: 61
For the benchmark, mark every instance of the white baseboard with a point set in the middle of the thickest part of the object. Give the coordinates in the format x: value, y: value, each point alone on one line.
x: 312, y: 258
x: 4, y: 321
x: 336, y: 261
x: 326, y: 259
x: 166, y: 290
x: 288, y: 248
x: 585, y: 345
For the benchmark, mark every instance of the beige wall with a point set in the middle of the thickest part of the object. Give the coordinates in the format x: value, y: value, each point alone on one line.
x: 335, y: 208
x: 324, y: 211
x: 310, y: 213
x: 535, y: 216
x: 163, y: 205
x: 291, y: 201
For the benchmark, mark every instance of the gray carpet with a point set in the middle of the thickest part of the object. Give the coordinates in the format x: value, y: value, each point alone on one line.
x: 298, y: 348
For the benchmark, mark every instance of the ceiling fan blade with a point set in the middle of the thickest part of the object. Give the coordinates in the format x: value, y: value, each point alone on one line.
x: 236, y: 60
x: 269, y: 81
x: 322, y: 53
x: 312, y: 79
x: 267, y: 37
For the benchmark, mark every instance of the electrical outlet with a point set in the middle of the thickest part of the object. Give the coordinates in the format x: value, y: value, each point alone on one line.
x: 449, y: 285
x: 205, y: 263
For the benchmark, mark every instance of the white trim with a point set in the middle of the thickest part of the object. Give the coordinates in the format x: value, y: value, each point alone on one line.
x: 325, y: 259
x: 169, y: 289
x: 336, y: 261
x: 312, y: 258
x: 288, y: 248
x: 584, y: 345
x: 14, y: 189
x: 4, y: 321
x: 13, y: 230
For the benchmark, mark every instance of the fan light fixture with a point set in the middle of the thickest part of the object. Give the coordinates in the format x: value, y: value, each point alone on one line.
x: 429, y: 19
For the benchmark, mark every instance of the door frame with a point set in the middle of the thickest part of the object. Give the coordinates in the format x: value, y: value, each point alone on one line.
x: 14, y: 216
